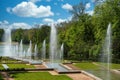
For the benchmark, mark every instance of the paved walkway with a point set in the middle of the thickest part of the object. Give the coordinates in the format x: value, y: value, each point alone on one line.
x: 53, y: 72
x: 72, y: 66
x: 39, y: 66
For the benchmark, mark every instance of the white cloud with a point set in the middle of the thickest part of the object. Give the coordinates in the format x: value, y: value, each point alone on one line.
x: 29, y: 9
x: 90, y: 12
x: 34, y: 1
x: 61, y: 20
x: 20, y: 25
x: 5, y: 24
x: 87, y: 6
x: 67, y: 6
x: 48, y: 20
x: 8, y: 9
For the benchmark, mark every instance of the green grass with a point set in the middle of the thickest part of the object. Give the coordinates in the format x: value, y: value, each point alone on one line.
x: 86, y: 66
x: 112, y: 65
x: 11, y: 66
x: 91, y: 66
x: 1, y: 78
x: 1, y: 67
x: 39, y: 76
x: 8, y: 61
x: 115, y: 66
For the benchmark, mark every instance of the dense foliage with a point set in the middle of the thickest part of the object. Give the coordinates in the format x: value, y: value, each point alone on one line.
x: 84, y: 35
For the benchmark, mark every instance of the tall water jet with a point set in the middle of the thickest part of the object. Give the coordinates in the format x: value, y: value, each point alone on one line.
x: 61, y: 52
x: 106, y: 56
x: 30, y: 51
x: 16, y: 51
x: 44, y: 50
x: 35, y: 52
x: 53, y: 44
x: 7, y: 40
x: 21, y: 49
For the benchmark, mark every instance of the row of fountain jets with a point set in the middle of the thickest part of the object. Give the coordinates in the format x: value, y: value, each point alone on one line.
x: 18, y: 51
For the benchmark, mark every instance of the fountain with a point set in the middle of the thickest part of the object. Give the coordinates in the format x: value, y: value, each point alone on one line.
x: 53, y: 44
x: 31, y: 61
x: 35, y: 52
x: 61, y: 52
x: 16, y: 52
x: 29, y: 52
x: 7, y: 40
x: 106, y: 56
x: 21, y: 49
x: 55, y: 54
x: 44, y: 50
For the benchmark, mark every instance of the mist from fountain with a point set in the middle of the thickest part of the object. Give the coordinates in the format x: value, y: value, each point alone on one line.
x: 35, y: 52
x: 29, y: 52
x: 53, y: 44
x: 21, y: 49
x: 55, y: 53
x: 61, y: 52
x: 44, y: 50
x: 16, y: 51
x: 7, y: 45
x: 106, y: 56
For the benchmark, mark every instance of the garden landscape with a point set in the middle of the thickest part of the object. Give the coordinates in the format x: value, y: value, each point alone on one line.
x: 60, y: 40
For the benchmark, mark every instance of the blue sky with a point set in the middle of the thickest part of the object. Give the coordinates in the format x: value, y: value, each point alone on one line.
x: 26, y: 13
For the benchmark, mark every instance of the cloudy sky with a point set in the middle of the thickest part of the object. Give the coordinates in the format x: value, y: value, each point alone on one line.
x: 26, y: 13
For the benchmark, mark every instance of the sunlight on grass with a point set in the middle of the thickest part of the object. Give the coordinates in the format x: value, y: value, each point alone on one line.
x: 1, y: 67
x: 112, y: 65
x: 86, y: 66
x: 20, y: 66
x: 39, y: 76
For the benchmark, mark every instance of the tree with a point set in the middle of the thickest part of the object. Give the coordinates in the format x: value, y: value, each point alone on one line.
x: 1, y: 34
x: 17, y: 35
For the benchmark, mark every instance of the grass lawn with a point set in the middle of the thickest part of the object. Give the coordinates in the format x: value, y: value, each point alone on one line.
x: 91, y: 66
x: 1, y: 67
x: 7, y: 60
x: 1, y: 78
x: 112, y: 65
x: 39, y: 76
x: 20, y: 66
x: 115, y: 66
x: 86, y: 66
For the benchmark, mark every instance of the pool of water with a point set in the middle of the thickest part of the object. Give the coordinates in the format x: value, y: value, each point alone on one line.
x: 35, y: 62
x: 57, y: 66
x: 103, y: 74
